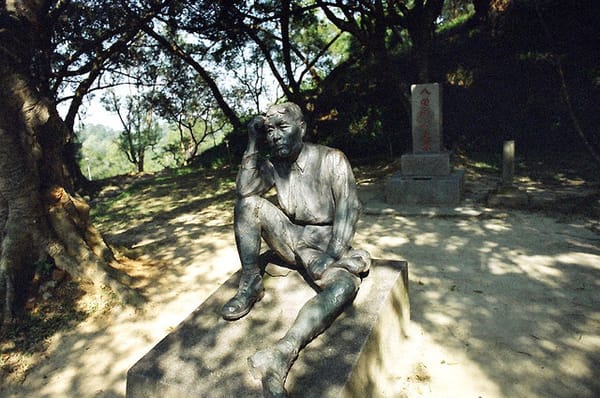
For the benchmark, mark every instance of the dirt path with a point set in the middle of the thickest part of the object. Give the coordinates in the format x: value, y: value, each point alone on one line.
x: 503, y: 304
x: 501, y: 307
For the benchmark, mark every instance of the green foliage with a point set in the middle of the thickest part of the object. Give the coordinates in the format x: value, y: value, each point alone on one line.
x: 350, y: 64
x: 502, y: 82
x: 140, y: 130
x: 100, y: 156
x: 363, y: 110
x: 457, y: 18
x: 83, y: 36
x: 186, y: 104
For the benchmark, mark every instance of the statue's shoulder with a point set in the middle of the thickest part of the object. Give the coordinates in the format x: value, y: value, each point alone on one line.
x: 326, y: 156
x: 322, y: 149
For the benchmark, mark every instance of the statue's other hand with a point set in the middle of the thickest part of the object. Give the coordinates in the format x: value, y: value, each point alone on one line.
x: 320, y: 264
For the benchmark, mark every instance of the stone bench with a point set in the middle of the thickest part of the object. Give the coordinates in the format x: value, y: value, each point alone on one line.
x: 206, y: 356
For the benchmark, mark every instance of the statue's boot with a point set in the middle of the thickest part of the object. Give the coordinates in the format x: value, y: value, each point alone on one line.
x: 271, y: 366
x: 250, y: 291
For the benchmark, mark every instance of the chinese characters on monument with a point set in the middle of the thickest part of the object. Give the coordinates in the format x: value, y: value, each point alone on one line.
x: 426, y: 118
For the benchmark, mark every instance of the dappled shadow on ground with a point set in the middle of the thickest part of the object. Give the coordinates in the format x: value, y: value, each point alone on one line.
x: 179, y: 244
x: 178, y: 226
x: 560, y: 185
x: 22, y: 342
x: 507, y: 298
x: 514, y: 294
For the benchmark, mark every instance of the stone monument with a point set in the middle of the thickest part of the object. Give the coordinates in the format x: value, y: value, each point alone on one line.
x: 426, y: 176
x: 508, y: 163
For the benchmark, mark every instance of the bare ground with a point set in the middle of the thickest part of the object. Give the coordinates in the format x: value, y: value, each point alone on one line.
x: 504, y: 302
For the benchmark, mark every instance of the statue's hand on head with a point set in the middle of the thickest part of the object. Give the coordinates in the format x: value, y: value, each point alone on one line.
x: 256, y: 127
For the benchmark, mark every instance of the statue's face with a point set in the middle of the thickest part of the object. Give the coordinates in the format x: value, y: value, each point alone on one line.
x: 284, y: 135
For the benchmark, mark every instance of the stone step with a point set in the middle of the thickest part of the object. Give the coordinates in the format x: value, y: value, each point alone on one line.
x: 206, y: 356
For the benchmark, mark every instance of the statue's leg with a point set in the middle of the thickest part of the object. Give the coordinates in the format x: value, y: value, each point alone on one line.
x: 338, y: 289
x: 255, y: 216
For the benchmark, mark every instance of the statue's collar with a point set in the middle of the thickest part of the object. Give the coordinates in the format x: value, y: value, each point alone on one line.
x: 298, y: 164
x: 302, y: 158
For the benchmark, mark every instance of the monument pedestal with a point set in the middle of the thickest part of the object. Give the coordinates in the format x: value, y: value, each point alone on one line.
x: 425, y: 190
x: 206, y: 356
x: 425, y: 164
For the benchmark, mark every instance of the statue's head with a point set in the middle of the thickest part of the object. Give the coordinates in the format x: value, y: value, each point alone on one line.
x: 285, y: 128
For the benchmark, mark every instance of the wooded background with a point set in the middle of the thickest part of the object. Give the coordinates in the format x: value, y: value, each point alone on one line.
x: 183, y: 78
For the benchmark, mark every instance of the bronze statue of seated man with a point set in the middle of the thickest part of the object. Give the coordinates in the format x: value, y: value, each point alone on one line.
x: 312, y: 227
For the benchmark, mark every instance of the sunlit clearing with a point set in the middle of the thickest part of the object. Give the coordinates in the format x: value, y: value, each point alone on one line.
x: 455, y: 243
x: 427, y: 239
x: 541, y: 268
x: 574, y: 363
x: 496, y: 226
x: 581, y: 259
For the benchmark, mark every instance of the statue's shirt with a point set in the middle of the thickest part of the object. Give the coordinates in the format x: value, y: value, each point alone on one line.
x: 308, y: 188
x: 318, y: 188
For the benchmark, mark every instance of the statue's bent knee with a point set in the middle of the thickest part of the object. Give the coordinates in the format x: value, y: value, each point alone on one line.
x: 252, y: 203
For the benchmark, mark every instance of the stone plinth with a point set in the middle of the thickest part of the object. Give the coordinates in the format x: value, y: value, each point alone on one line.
x: 206, y: 356
x: 425, y: 190
x: 426, y: 164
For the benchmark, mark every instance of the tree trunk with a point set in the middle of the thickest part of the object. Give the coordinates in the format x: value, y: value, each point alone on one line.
x: 422, y: 45
x: 140, y: 162
x: 419, y: 22
x: 41, y: 217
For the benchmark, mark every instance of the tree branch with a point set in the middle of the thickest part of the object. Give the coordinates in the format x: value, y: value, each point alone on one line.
x: 176, y: 50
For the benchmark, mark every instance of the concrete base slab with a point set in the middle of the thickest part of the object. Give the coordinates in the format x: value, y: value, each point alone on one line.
x: 509, y: 196
x: 206, y: 356
x: 425, y: 164
x: 426, y: 190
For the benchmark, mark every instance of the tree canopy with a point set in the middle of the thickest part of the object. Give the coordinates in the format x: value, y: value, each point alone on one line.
x: 241, y: 56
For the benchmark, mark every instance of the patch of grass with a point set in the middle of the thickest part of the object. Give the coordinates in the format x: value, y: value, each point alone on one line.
x: 164, y: 195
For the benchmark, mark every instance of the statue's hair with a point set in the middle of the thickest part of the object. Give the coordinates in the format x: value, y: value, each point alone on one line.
x: 286, y: 108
